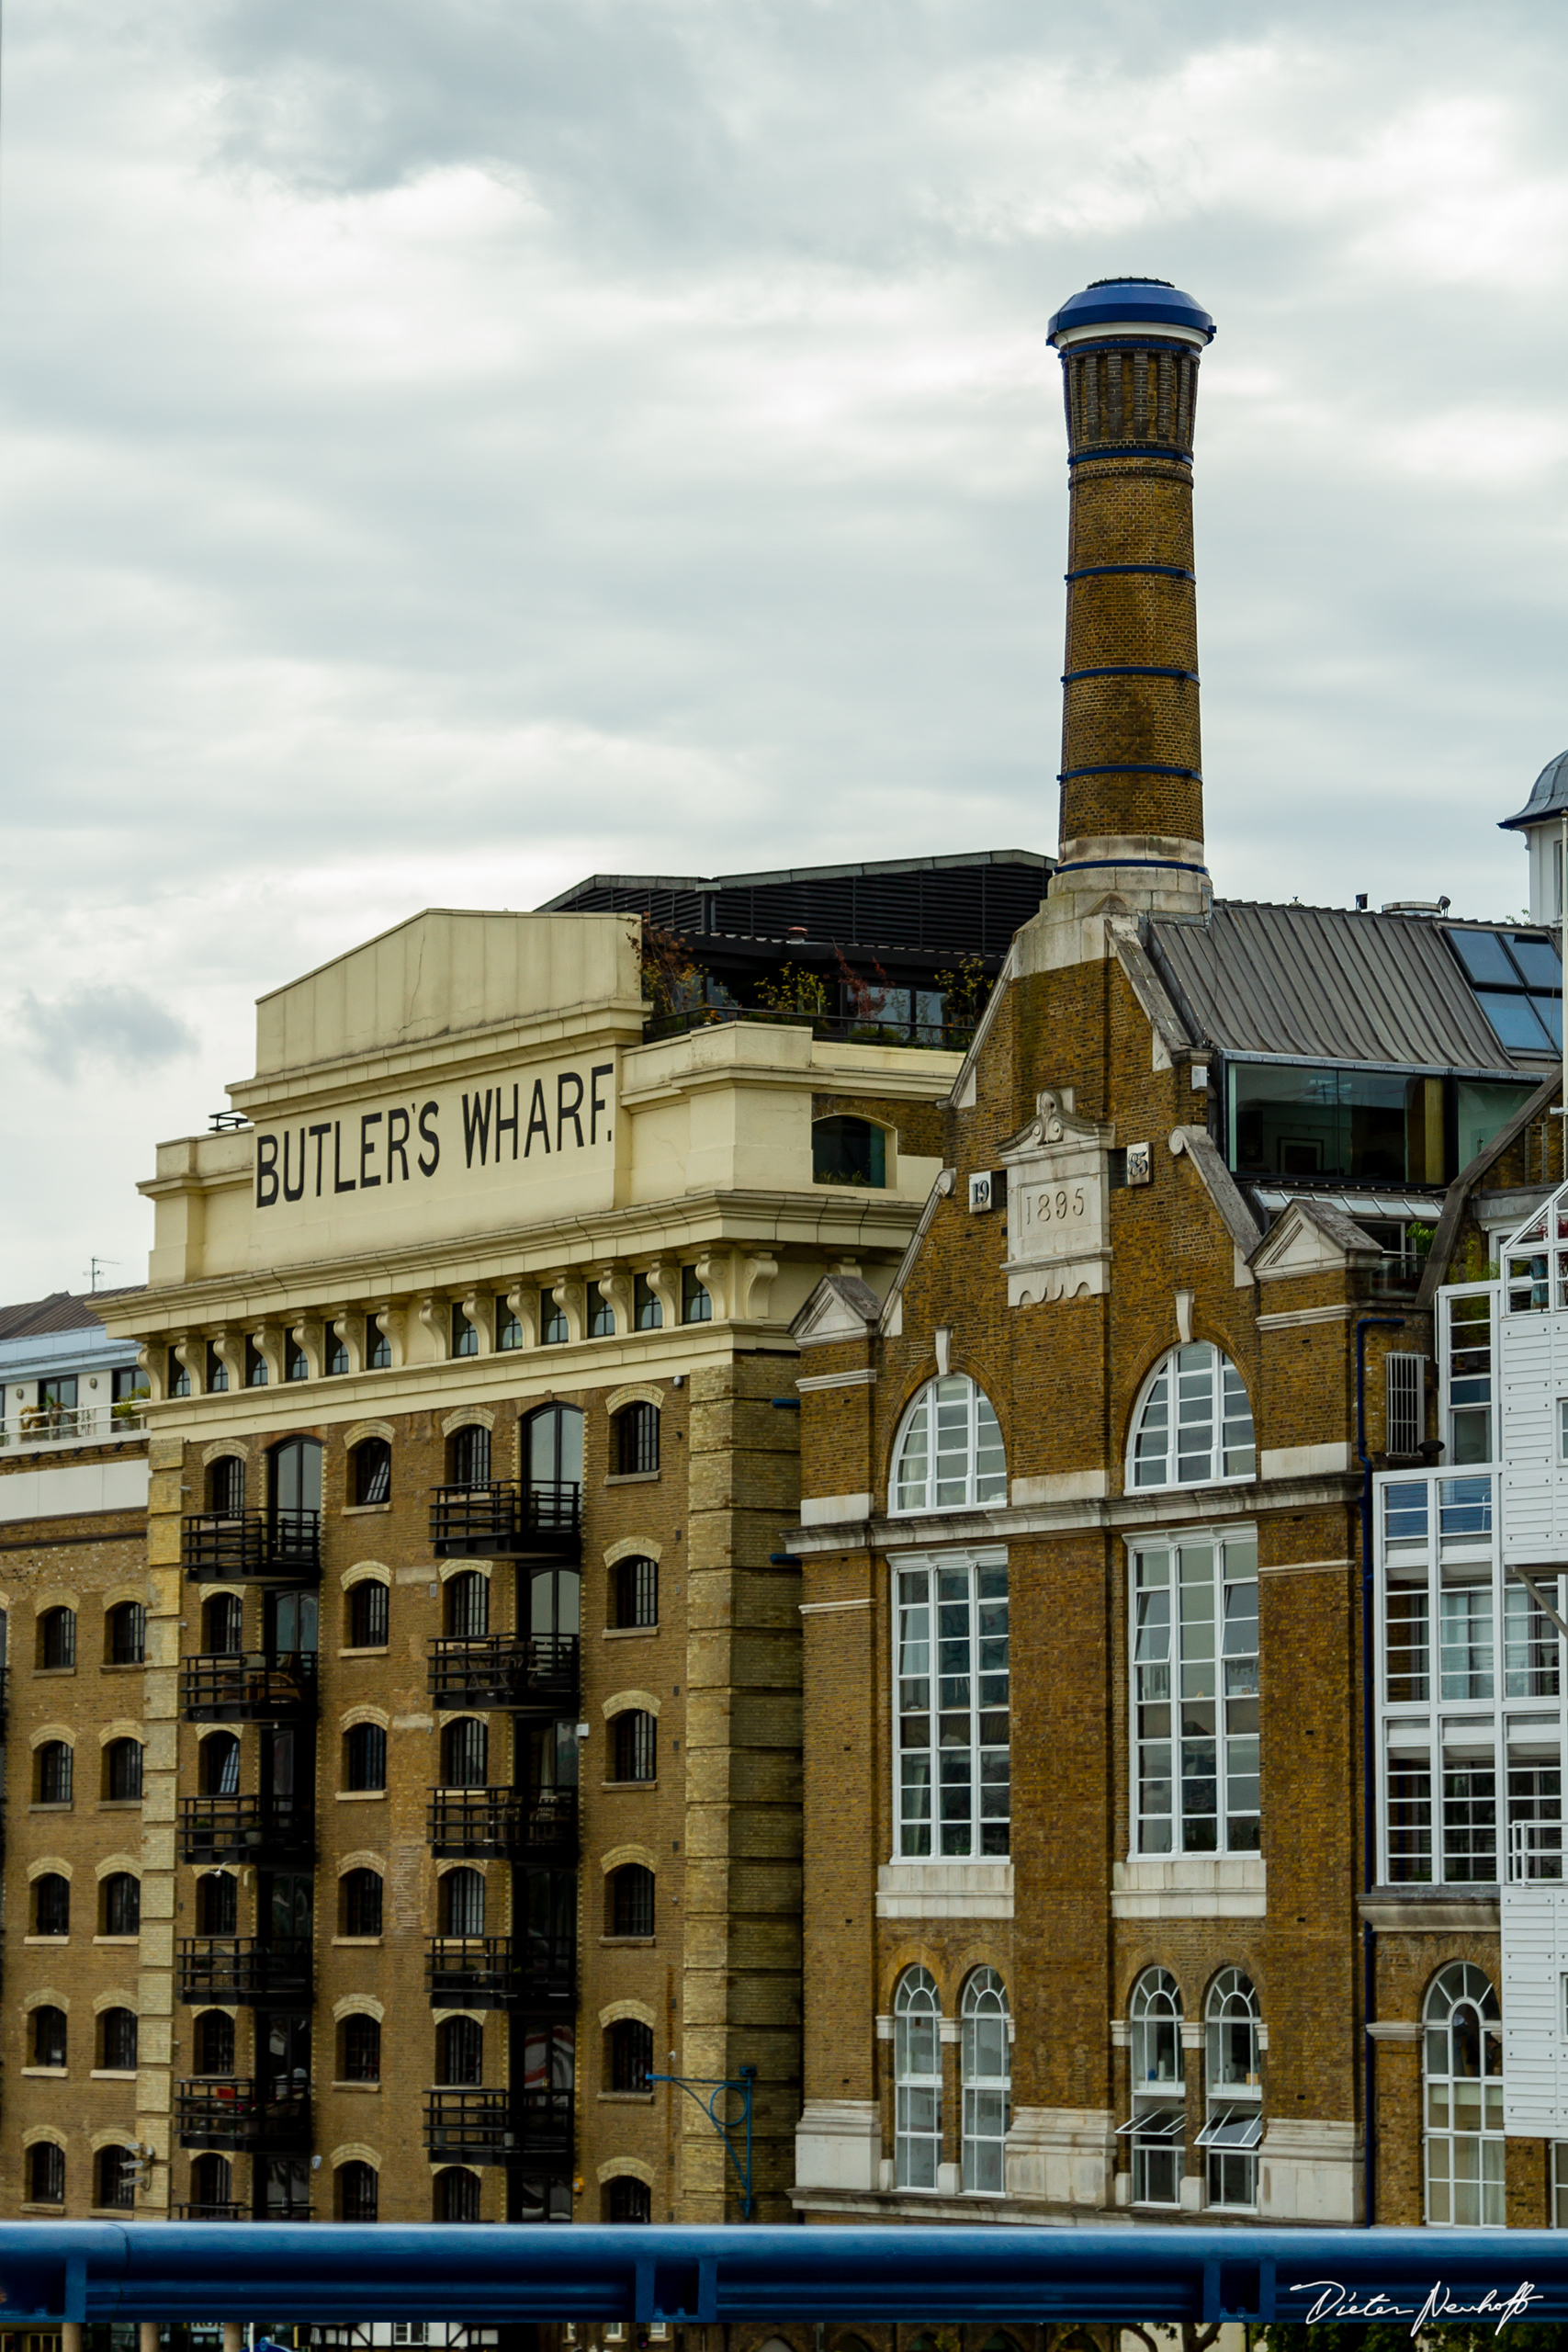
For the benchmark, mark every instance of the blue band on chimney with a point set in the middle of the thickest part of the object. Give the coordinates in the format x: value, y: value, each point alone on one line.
x: 1129, y: 670
x: 1131, y: 449
x: 1127, y: 767
x: 1104, y: 571
x: 1163, y: 864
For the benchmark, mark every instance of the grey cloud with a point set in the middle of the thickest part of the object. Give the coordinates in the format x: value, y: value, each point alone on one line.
x: 107, y: 1023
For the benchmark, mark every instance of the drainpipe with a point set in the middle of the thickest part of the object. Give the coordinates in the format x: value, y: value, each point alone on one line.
x: 1369, y: 1775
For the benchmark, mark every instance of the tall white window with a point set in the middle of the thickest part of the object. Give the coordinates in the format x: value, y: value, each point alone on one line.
x: 1233, y: 2124
x: 1463, y: 2081
x: 917, y: 2080
x: 949, y: 1456
x: 1196, y: 1699
x: 1193, y: 1424
x: 988, y: 2082
x: 952, y: 1789
x: 1466, y: 1340
x: 1158, y: 2125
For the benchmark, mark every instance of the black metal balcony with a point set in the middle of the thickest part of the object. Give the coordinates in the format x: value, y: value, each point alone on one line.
x: 506, y: 1670
x: 242, y: 1970
x: 249, y: 1687
x: 234, y: 2111
x: 504, y: 1821
x: 495, y: 1972
x: 231, y: 2210
x: 253, y: 1547
x: 482, y: 2127
x: 514, y: 1517
x: 247, y: 1829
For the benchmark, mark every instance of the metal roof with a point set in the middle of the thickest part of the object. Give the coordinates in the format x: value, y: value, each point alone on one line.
x: 1326, y: 984
x: 59, y: 1312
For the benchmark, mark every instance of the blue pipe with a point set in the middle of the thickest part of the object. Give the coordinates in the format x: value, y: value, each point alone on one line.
x: 334, y: 2271
x: 1369, y: 1780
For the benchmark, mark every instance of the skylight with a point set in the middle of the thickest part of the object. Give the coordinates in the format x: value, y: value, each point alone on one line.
x: 1518, y: 983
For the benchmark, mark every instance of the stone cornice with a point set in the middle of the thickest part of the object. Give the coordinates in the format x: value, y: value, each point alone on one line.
x: 1159, y: 1508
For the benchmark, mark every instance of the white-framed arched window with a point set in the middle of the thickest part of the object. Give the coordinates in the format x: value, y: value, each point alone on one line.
x: 950, y: 1454
x: 1232, y: 2122
x: 1193, y: 1424
x: 1462, y: 2083
x: 1158, y: 2125
x: 917, y: 2079
x: 988, y: 2082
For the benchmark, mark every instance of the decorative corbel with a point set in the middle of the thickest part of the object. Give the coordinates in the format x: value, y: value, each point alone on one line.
x: 152, y: 1361
x: 435, y: 1314
x: 229, y: 1347
x: 664, y: 1281
x: 191, y: 1350
x: 350, y: 1328
x: 392, y: 1323
x: 479, y: 1308
x: 267, y: 1342
x: 570, y: 1298
x: 715, y: 1272
x: 523, y: 1299
x: 614, y: 1287
x: 758, y: 1274
x: 308, y: 1335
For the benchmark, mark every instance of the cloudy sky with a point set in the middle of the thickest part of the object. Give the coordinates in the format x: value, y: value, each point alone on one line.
x: 451, y: 447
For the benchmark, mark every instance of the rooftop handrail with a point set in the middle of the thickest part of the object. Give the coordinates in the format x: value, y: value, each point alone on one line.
x: 69, y: 1425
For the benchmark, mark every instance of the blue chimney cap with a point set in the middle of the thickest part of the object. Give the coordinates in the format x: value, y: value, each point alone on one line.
x: 1141, y: 301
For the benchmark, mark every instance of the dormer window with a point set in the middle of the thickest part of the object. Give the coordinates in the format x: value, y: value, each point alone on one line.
x: 950, y: 1454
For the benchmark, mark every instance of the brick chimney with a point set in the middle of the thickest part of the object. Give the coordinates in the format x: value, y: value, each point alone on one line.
x: 1132, y: 826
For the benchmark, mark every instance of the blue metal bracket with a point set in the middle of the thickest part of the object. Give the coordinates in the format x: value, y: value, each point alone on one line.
x: 716, y: 2085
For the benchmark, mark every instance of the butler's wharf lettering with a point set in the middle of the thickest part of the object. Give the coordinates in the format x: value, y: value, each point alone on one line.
x: 547, y: 1117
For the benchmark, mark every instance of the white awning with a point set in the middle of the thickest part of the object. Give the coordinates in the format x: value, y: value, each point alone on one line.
x: 1231, y: 2126
x: 1156, y: 2124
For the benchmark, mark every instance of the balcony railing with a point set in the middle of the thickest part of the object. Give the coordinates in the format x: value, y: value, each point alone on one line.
x: 492, y: 1972
x: 249, y: 1687
x: 503, y: 1821
x: 504, y: 1670
x: 275, y: 1548
x: 231, y: 2211
x: 890, y: 1026
x: 494, y: 2127
x: 1535, y: 1848
x: 255, y: 1829
x: 518, y: 1518
x: 60, y: 1425
x: 243, y: 1969
x: 234, y: 2111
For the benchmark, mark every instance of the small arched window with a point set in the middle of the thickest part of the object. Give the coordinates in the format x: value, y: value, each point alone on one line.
x: 54, y: 1771
x: 1462, y: 2072
x: 226, y: 1487
x: 115, y: 2188
x: 460, y: 2053
x: 917, y: 2079
x: 1233, y: 2124
x: 361, y: 1903
x: 215, y: 2044
x: 849, y: 1151
x: 295, y: 1477
x: 121, y: 1903
x: 628, y: 2198
x: 463, y: 1902
x: 51, y: 1904
x: 465, y: 1753
x: 457, y: 2195
x: 365, y: 1757
x: 1193, y: 1424
x: 217, y: 1764
x: 57, y: 1640
x: 470, y: 1455
x: 49, y: 2037
x: 634, y: 1440
x: 468, y: 1605
x: 122, y: 1772
x: 358, y: 2192
x: 634, y: 1592
x: 371, y: 1466
x: 949, y: 1456
x: 46, y: 2174
x: 630, y: 2054
x: 216, y: 1904
x: 125, y: 1635
x: 359, y: 2050
x: 633, y: 1746
x: 1159, y: 2123
x: 368, y: 1614
x: 988, y: 2082
x: 212, y: 2190
x: 552, y: 1463
x: 632, y: 1891
x: 119, y: 2036
x: 224, y: 1625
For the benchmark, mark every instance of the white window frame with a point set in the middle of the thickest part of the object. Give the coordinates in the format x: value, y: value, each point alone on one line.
x: 1447, y: 2151
x: 1158, y: 2125
x: 1476, y: 1389
x: 986, y: 1762
x: 916, y: 2144
x: 1233, y: 2120
x: 983, y: 1481
x: 1180, y: 1368
x: 1235, y: 1749
x: 987, y: 2088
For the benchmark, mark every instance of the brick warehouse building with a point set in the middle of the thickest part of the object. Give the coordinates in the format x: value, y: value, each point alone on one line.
x: 1094, y: 1927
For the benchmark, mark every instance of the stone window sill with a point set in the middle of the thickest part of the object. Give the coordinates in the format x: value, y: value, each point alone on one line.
x: 52, y: 1807
x: 55, y: 1941
x: 362, y: 1796
x: 628, y: 1784
x: 630, y: 1633
x: 57, y: 2210
x: 51, y: 2074
x: 131, y: 1941
x: 50, y: 1674
x: 364, y: 1510
x: 111, y: 1666
x: 629, y: 1479
x: 357, y: 2087
x: 119, y: 1805
x: 113, y: 2075
x: 641, y: 1943
x: 369, y: 1649
x: 625, y: 2098
x: 358, y: 1943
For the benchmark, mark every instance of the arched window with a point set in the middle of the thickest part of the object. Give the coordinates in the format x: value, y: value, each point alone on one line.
x: 634, y: 1592
x: 457, y: 2195
x: 1463, y: 2076
x: 365, y: 1757
x: 630, y: 2054
x: 552, y: 1458
x: 218, y: 1764
x: 359, y: 2050
x: 118, y: 2040
x: 216, y: 1904
x: 295, y: 1473
x: 1193, y: 1424
x: 215, y: 2044
x: 632, y: 1889
x: 224, y: 1625
x: 54, y: 1771
x: 115, y: 2183
x: 370, y: 1467
x: 368, y: 1614
x: 212, y: 2190
x: 917, y: 2080
x: 125, y: 1641
x: 633, y: 1746
x: 122, y: 1772
x: 361, y: 1903
x: 1158, y: 2123
x: 121, y: 1903
x: 46, y: 2174
x: 555, y: 1603
x: 634, y: 1447
x: 460, y: 2053
x: 628, y: 2198
x: 49, y: 2037
x: 358, y: 2192
x: 470, y: 1455
x: 463, y: 1902
x: 465, y: 1753
x: 949, y: 1456
x: 846, y: 1150
x: 1233, y: 2124
x: 226, y: 1486
x: 51, y: 1904
x: 988, y: 2082
x: 468, y: 1605
x: 57, y: 1639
